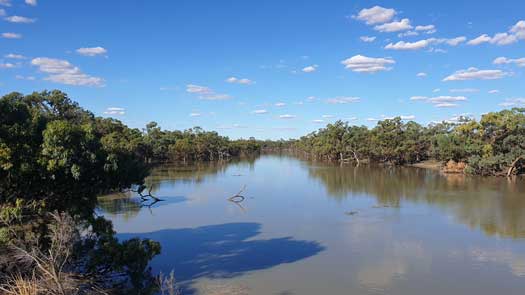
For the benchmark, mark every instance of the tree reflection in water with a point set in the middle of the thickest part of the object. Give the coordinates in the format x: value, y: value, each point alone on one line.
x: 494, y: 205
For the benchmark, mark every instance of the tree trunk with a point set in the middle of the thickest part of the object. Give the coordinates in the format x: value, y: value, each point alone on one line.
x: 356, y: 158
x: 513, y: 166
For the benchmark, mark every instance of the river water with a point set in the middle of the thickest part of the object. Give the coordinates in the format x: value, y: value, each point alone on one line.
x: 317, y: 228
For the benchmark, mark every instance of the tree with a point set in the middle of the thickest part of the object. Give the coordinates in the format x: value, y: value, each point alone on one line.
x: 57, y: 157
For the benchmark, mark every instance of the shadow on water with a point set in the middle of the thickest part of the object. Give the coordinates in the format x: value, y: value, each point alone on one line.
x: 222, y: 251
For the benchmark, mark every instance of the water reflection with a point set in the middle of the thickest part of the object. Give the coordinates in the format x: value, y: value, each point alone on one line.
x: 128, y: 205
x: 494, y: 205
x: 194, y: 172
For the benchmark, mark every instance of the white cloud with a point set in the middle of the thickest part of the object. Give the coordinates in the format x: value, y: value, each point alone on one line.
x: 519, y: 29
x: 2, y: 12
x: 515, y: 33
x: 402, y: 45
x: 367, y: 39
x: 426, y: 28
x: 446, y: 98
x: 520, y: 62
x: 311, y: 98
x: 235, y: 80
x: 31, y: 2
x: 29, y: 78
x: 437, y: 50
x: 5, y: 3
x: 205, y: 92
x: 61, y: 71
x: 418, y: 97
x: 513, y: 102
x: 8, y: 35
x: 343, y: 100
x: 436, y: 90
x: 394, y: 26
x: 245, y: 81
x: 478, y: 40
x: 310, y: 69
x: 195, y: 114
x: 442, y: 101
x: 260, y: 112
x: 493, y: 91
x: 456, y: 41
x: 115, y: 111
x: 280, y: 104
x: 503, y: 39
x: 408, y: 34
x: 20, y: 19
x: 475, y: 74
x: 14, y: 56
x: 91, y: 51
x: 287, y: 116
x: 446, y: 105
x: 318, y: 121
x: 364, y: 64
x: 375, y: 15
x: 7, y: 65
x: 421, y: 74
x: 464, y: 90
x: 328, y: 116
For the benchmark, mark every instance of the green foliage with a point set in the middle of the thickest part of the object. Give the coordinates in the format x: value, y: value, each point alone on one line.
x: 391, y: 141
x: 56, y: 156
x: 53, y: 150
x: 194, y: 144
x: 489, y: 146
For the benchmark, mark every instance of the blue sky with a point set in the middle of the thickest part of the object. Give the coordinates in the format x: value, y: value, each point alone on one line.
x: 269, y: 69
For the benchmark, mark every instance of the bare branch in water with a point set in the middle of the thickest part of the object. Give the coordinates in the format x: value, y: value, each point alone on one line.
x: 238, y: 198
x: 147, y: 196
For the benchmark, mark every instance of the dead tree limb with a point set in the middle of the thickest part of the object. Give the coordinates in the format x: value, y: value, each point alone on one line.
x: 147, y: 196
x: 237, y: 198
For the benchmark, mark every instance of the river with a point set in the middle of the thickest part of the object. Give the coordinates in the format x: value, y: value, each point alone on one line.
x: 316, y: 228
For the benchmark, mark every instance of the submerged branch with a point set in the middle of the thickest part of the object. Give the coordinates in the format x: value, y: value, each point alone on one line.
x: 238, y: 198
x: 147, y: 196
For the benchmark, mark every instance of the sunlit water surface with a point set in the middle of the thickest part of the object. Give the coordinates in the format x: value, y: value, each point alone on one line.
x: 312, y: 228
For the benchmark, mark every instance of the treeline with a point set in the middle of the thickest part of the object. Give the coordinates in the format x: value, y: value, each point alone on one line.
x: 494, y: 145
x: 194, y: 144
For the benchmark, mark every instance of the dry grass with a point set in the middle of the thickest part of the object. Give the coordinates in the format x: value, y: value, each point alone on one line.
x: 50, y: 271
x: 167, y: 284
x: 21, y: 286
